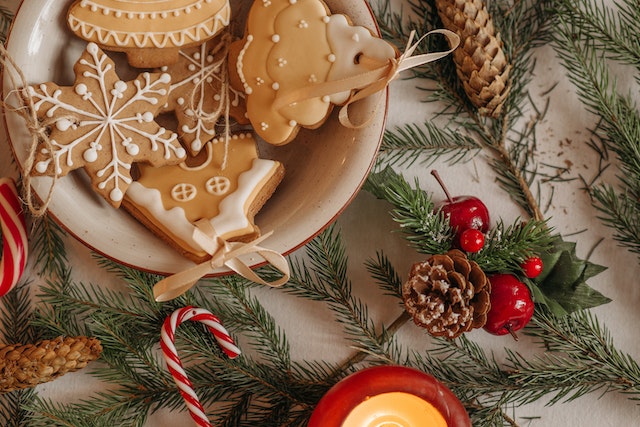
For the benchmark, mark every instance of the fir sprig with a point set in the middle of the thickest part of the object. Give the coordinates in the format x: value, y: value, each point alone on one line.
x: 619, y: 211
x: 16, y: 313
x: 13, y: 408
x: 6, y: 16
x: 273, y: 390
x: 47, y: 241
x: 328, y: 282
x: 128, y: 325
x: 584, y: 40
x: 407, y: 144
x: 413, y: 210
x: 509, y: 141
x: 581, y: 358
x: 506, y: 247
x: 613, y: 29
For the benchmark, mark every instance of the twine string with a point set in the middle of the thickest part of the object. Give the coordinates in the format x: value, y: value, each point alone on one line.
x: 38, y: 131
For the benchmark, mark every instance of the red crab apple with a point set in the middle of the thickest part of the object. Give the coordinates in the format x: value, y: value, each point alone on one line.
x: 511, y: 305
x: 464, y: 212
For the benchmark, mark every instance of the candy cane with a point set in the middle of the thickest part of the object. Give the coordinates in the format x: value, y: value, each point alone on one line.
x: 173, y: 361
x: 14, y: 235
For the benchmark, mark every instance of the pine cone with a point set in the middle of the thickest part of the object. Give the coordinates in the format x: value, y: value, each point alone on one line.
x: 27, y: 365
x: 480, y: 61
x: 447, y: 294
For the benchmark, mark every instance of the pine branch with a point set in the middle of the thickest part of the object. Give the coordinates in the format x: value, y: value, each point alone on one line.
x: 15, y: 317
x: 244, y: 313
x: 385, y: 275
x: 327, y: 281
x: 6, y: 16
x: 580, y: 358
x: 583, y: 55
x: 506, y: 247
x: 408, y: 143
x: 128, y: 326
x: 482, y: 384
x: 614, y: 29
x: 619, y: 212
x: 413, y: 210
x: 47, y: 242
x: 16, y: 314
x: 524, y: 25
x: 13, y: 412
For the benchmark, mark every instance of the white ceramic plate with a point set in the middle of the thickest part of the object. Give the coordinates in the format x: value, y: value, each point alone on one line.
x: 324, y: 168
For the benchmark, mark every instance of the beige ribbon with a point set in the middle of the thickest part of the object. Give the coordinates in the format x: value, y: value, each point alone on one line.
x: 223, y: 254
x: 378, y: 77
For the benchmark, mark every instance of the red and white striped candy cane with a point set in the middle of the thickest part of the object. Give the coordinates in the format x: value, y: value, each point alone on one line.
x: 175, y: 365
x: 14, y: 236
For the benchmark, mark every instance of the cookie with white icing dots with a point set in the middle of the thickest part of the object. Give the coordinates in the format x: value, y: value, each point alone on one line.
x: 200, y: 93
x: 225, y: 185
x: 151, y: 32
x: 103, y: 124
x: 291, y: 47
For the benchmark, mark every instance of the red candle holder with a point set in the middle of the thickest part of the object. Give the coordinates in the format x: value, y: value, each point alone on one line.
x: 389, y: 396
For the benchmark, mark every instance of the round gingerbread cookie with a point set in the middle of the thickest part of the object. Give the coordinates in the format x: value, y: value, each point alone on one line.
x: 151, y: 32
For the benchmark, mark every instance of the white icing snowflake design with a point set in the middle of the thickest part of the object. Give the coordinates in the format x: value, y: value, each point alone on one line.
x: 104, y: 124
x: 197, y: 91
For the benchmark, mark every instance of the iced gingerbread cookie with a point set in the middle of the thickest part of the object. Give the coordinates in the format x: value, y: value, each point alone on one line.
x: 200, y: 93
x: 226, y: 185
x: 103, y: 124
x: 150, y: 31
x: 294, y: 47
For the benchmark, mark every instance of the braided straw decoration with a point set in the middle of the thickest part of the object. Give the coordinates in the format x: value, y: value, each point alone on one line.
x: 27, y: 365
x: 480, y: 61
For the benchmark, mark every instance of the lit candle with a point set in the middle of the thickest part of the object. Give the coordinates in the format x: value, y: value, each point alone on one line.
x: 389, y: 396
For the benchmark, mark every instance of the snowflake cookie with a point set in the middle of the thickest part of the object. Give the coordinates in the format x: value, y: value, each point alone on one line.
x: 172, y: 200
x: 103, y: 124
x: 200, y: 93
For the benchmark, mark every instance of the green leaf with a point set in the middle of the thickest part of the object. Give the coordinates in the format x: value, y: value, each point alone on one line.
x: 562, y: 286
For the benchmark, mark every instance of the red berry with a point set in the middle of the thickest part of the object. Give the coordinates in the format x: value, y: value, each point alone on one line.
x: 532, y: 267
x: 511, y: 305
x: 471, y: 240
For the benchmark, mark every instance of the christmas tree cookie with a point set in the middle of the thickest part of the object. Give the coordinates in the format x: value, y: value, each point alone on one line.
x: 200, y: 93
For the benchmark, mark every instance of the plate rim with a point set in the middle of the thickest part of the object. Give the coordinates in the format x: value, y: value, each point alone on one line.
x: 221, y: 272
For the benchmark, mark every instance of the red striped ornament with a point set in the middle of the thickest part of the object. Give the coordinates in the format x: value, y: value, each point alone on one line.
x: 14, y: 236
x: 175, y: 365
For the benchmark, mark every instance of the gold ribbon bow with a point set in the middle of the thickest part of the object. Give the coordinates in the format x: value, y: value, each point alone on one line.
x: 378, y: 77
x: 223, y: 254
